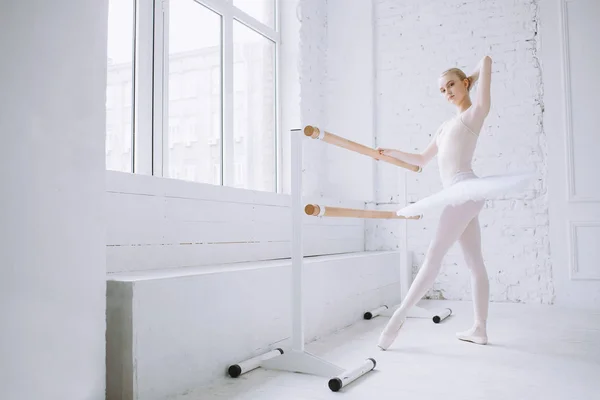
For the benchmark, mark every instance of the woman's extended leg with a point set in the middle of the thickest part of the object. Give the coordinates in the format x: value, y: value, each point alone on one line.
x: 453, y: 221
x: 470, y: 242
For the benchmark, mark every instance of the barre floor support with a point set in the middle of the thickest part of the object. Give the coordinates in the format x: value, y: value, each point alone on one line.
x: 347, y: 377
x: 236, y: 370
x: 297, y: 359
x: 316, y: 133
x: 326, y: 211
x: 415, y: 312
x: 373, y: 313
x: 385, y: 311
x: 439, y: 317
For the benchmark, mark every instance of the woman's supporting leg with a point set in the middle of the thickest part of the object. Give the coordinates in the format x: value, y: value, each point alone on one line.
x: 470, y: 242
x: 453, y: 221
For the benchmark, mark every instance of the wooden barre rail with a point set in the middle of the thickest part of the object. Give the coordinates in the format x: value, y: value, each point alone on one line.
x: 315, y: 210
x: 315, y: 133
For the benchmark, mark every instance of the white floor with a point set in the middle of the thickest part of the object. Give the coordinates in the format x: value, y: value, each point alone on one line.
x: 535, y: 352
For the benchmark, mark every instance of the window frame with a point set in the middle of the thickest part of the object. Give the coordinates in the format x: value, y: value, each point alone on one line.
x: 151, y: 72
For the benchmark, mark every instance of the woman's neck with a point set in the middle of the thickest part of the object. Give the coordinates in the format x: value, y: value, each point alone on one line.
x: 464, y: 105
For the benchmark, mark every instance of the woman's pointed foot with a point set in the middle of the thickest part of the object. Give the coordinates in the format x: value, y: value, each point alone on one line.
x: 388, y: 336
x: 477, y: 334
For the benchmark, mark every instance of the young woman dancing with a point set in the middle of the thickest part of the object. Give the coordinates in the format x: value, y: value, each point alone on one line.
x: 462, y: 198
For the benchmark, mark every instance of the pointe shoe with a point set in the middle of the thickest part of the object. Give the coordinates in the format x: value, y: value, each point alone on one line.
x: 472, y: 336
x: 387, y: 338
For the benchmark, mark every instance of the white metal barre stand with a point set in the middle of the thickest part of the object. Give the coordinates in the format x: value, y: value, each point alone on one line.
x: 297, y: 359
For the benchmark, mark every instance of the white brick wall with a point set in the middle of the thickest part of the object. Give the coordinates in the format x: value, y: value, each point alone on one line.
x: 336, y: 95
x: 415, y: 41
x: 350, y: 97
x: 313, y: 88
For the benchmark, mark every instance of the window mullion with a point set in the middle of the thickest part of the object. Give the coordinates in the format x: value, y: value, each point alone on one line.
x: 144, y: 51
x: 255, y: 24
x: 278, y: 124
x: 228, y: 117
x: 160, y: 86
x: 226, y: 7
x: 218, y: 6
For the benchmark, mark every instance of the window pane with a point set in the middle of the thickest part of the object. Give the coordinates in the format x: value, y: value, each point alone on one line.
x: 254, y: 110
x: 195, y: 117
x: 119, y: 89
x: 262, y: 10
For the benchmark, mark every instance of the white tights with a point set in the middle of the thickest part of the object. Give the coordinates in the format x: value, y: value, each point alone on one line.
x: 460, y: 223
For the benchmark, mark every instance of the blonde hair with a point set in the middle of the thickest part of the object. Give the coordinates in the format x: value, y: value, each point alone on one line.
x: 461, y: 75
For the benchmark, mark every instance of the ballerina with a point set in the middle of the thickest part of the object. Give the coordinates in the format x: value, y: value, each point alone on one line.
x: 462, y: 198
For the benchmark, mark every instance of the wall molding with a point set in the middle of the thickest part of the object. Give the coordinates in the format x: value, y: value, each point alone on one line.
x: 573, y: 196
x: 574, y: 273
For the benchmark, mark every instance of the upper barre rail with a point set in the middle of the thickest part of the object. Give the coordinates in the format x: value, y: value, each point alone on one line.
x: 315, y: 133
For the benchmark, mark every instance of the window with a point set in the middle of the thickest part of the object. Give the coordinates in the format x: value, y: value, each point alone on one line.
x: 194, y: 51
x: 254, y: 99
x: 119, y: 92
x: 192, y: 88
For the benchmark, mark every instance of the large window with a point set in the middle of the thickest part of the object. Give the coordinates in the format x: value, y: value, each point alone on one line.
x: 192, y: 90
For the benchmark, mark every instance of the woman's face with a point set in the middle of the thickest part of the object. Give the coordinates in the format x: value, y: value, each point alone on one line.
x: 453, y: 89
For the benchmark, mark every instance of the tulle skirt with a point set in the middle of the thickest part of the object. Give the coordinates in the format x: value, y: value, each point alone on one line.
x: 467, y: 186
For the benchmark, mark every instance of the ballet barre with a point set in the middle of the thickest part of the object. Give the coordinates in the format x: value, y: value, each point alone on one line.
x: 296, y: 359
x: 327, y: 137
x: 316, y: 210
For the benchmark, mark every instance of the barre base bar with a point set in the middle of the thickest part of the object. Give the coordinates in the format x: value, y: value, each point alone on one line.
x: 414, y: 312
x: 326, y: 211
x: 439, y: 317
x: 373, y: 313
x: 349, y: 376
x: 236, y: 370
x: 315, y: 133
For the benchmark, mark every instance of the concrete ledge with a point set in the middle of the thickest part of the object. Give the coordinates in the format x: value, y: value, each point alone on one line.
x: 169, y: 332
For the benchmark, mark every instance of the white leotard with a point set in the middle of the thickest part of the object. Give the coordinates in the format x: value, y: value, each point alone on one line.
x: 456, y: 145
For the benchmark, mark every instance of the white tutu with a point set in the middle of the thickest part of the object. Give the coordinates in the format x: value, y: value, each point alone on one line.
x: 471, y: 188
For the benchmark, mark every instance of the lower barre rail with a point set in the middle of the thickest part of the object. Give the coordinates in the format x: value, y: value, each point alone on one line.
x: 326, y: 211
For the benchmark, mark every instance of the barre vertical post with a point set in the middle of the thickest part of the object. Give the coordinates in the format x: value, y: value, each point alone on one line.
x: 297, y: 243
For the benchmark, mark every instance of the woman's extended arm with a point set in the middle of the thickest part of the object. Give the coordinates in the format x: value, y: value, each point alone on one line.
x: 418, y: 159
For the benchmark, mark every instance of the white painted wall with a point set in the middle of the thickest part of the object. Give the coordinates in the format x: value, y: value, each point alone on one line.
x: 52, y: 289
x: 173, y: 332
x: 158, y: 223
x: 414, y: 43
